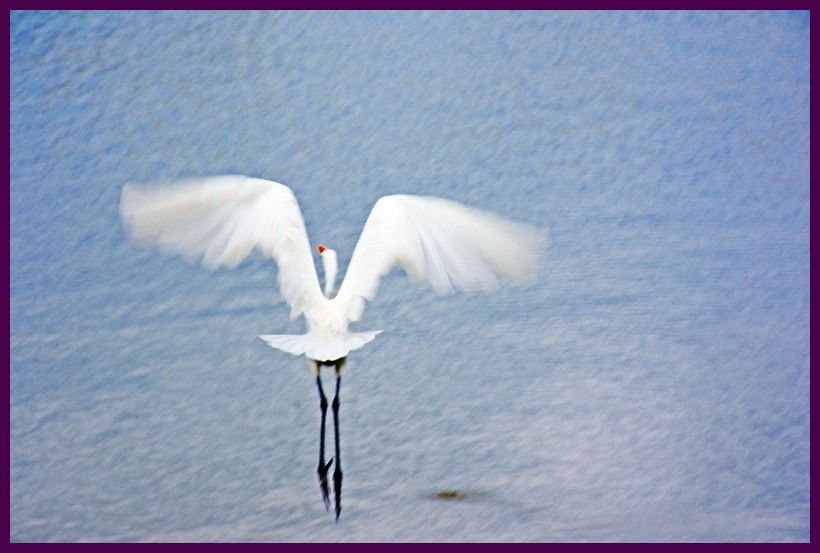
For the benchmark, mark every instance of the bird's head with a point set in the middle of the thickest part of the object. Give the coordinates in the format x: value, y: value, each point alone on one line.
x: 330, y: 264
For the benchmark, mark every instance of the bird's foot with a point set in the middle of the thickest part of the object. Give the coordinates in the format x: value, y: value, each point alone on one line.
x: 323, y: 485
x: 337, y: 489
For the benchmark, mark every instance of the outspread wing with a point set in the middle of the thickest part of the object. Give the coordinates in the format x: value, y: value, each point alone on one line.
x: 450, y: 245
x: 223, y: 219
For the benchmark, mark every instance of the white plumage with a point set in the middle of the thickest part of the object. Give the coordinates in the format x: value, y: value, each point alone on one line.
x: 223, y: 219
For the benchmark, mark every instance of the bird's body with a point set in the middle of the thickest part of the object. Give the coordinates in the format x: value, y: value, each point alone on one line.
x: 223, y: 219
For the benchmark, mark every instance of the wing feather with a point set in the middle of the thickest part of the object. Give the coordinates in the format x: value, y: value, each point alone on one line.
x: 222, y: 219
x: 447, y: 244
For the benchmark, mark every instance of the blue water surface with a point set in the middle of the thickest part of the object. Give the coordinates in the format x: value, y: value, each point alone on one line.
x: 653, y: 385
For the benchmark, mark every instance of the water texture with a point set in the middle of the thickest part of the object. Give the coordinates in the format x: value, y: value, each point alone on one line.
x: 652, y: 386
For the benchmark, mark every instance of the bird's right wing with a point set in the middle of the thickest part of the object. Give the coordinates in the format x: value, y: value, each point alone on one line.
x: 223, y: 219
x: 450, y: 245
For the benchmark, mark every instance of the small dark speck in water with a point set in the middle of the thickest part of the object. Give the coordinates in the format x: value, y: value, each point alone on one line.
x: 452, y: 495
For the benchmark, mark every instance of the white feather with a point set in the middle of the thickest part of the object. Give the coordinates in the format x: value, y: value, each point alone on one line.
x: 450, y: 245
x: 222, y: 219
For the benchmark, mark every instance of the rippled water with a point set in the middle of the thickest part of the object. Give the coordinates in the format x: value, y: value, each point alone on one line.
x: 653, y: 385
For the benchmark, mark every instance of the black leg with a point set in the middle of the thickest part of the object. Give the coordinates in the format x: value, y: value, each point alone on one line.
x: 337, y: 472
x: 323, y: 468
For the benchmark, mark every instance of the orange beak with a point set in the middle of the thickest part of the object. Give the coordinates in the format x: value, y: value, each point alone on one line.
x: 321, y: 249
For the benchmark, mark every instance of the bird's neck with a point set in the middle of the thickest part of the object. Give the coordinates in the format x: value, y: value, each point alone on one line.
x: 331, y: 266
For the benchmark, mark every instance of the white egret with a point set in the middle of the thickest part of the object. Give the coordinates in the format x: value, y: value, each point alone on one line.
x: 223, y: 219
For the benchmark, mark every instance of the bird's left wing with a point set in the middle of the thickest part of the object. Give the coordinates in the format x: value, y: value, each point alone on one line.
x: 223, y: 219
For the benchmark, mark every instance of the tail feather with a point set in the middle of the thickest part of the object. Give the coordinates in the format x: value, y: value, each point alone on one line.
x: 319, y: 347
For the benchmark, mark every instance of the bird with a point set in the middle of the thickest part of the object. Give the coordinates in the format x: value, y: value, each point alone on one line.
x: 221, y: 220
